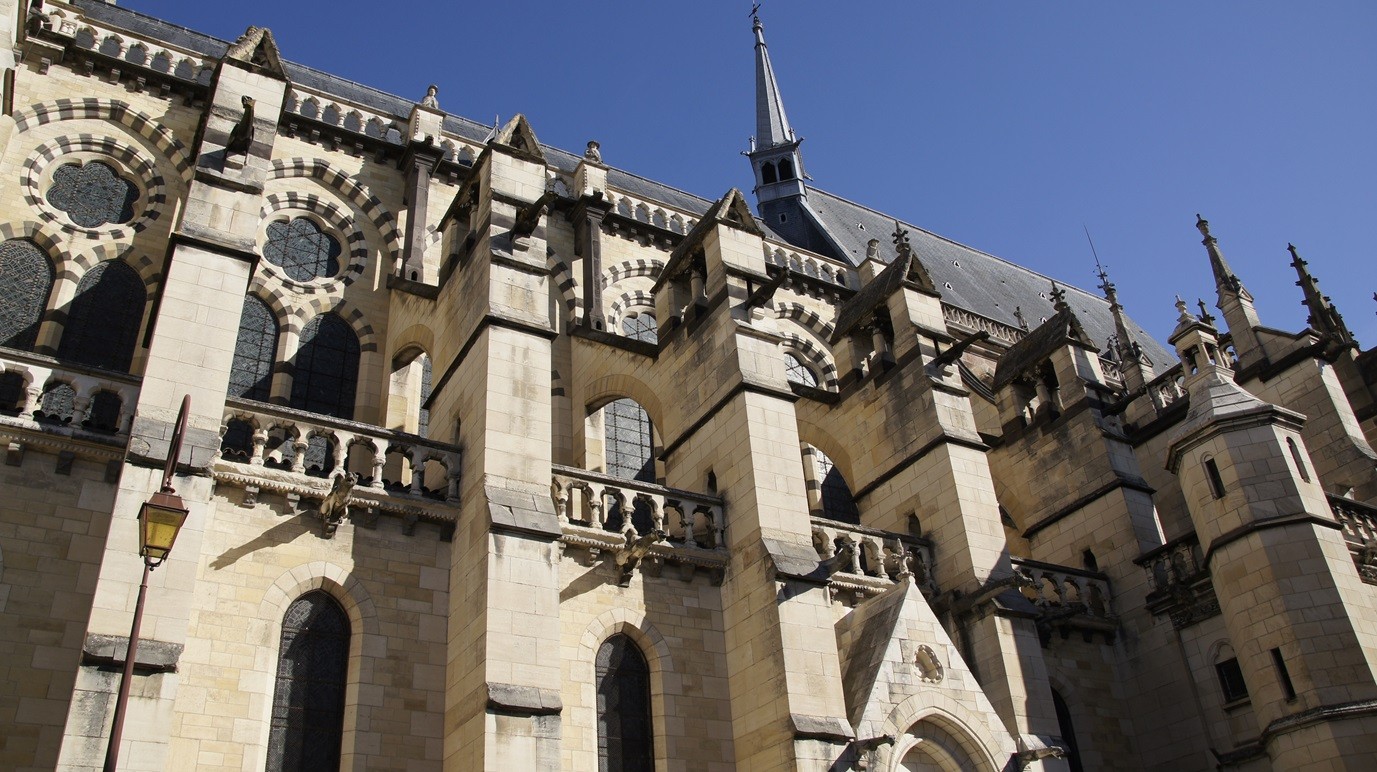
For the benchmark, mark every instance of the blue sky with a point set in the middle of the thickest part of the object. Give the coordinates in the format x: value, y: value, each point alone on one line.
x: 1008, y: 126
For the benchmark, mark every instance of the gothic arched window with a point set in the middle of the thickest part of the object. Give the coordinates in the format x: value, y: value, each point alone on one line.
x: 628, y: 434
x: 837, y: 501
x: 786, y: 170
x: 641, y: 326
x: 308, y: 703
x: 327, y: 368
x: 796, y: 371
x: 93, y: 194
x: 301, y: 249
x: 26, y: 280
x: 625, y: 731
x: 103, y: 323
x: 255, y: 351
x: 767, y: 173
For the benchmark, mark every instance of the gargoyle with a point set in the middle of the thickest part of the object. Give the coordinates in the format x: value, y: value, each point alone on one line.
x: 241, y: 136
x: 842, y: 560
x: 335, y: 506
x: 630, y: 556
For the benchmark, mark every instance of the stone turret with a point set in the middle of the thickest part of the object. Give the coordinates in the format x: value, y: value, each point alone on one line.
x: 1234, y: 300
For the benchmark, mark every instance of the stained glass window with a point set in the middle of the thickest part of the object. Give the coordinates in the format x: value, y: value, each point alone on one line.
x: 641, y: 326
x: 308, y: 704
x: 301, y: 249
x: 26, y: 279
x: 423, y: 418
x: 93, y: 194
x: 625, y: 733
x: 837, y: 502
x: 255, y: 351
x: 103, y: 325
x: 327, y: 368
x: 798, y: 372
x: 627, y: 429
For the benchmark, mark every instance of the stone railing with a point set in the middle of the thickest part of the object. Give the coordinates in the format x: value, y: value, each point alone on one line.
x: 635, y: 508
x: 1068, y: 599
x: 42, y: 392
x: 1359, y: 524
x: 650, y: 213
x: 1181, y: 585
x: 810, y: 265
x: 287, y: 447
x: 641, y: 525
x: 1113, y: 371
x: 135, y: 55
x: 969, y: 320
x: 1166, y: 388
x: 868, y: 561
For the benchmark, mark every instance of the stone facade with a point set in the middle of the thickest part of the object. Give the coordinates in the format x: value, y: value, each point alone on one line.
x: 501, y: 406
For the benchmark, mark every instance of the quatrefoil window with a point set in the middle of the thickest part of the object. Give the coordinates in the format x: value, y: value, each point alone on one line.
x: 93, y: 194
x: 301, y: 249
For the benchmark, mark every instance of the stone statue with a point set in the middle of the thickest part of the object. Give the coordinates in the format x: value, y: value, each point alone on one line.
x: 429, y: 100
x: 593, y: 153
x: 335, y: 506
x: 241, y: 136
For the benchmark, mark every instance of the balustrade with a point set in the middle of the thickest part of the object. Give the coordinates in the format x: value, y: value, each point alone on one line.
x: 1061, y: 588
x: 1359, y: 524
x: 868, y: 560
x: 812, y: 266
x: 255, y: 434
x: 635, y: 509
x: 40, y: 390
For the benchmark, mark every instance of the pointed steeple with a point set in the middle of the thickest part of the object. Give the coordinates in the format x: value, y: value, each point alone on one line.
x: 771, y: 124
x: 1134, y: 364
x: 774, y: 155
x: 1235, y: 301
x: 1324, y: 317
x: 1224, y: 277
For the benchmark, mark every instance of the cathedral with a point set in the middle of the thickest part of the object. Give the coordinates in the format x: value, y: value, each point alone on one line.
x: 482, y: 454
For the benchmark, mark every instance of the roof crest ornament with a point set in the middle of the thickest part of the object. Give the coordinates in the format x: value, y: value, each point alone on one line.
x: 1059, y: 298
x: 1205, y: 315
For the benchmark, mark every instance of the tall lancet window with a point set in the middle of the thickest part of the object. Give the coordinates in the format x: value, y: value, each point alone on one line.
x: 26, y: 280
x: 308, y: 703
x: 255, y: 351
x: 625, y: 731
x: 327, y: 368
x: 103, y: 324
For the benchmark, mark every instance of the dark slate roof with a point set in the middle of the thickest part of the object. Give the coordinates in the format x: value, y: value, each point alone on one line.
x: 1037, y: 346
x: 980, y: 282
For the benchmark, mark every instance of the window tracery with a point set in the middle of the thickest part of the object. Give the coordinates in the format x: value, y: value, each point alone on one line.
x: 255, y: 351
x: 628, y: 434
x: 92, y: 194
x: 301, y: 249
x: 103, y: 324
x: 641, y: 326
x: 625, y: 731
x: 26, y: 281
x: 837, y: 501
x: 795, y: 370
x: 327, y: 368
x: 308, y: 702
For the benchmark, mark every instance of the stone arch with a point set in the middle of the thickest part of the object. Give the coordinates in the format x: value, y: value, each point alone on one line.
x: 116, y: 111
x: 630, y: 268
x: 806, y: 318
x: 633, y: 624
x: 564, y: 282
x: 350, y: 593
x: 625, y: 386
x: 356, y: 193
x: 630, y: 300
x: 417, y: 336
x: 983, y: 739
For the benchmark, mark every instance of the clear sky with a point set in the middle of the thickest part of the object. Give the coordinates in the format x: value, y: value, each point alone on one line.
x: 1009, y: 126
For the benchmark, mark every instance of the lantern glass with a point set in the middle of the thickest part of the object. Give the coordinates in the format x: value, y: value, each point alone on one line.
x: 159, y: 521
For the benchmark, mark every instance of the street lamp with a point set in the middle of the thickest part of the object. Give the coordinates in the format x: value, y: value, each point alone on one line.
x: 160, y: 518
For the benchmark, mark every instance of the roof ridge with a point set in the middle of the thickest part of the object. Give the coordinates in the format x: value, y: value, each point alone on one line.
x: 949, y: 240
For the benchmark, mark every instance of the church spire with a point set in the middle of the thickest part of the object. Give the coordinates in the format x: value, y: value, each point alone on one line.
x: 774, y: 148
x: 1234, y: 300
x: 1134, y: 365
x: 1324, y: 317
x: 771, y: 124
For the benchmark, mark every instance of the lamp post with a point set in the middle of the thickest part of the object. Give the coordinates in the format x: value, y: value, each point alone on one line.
x: 160, y: 518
